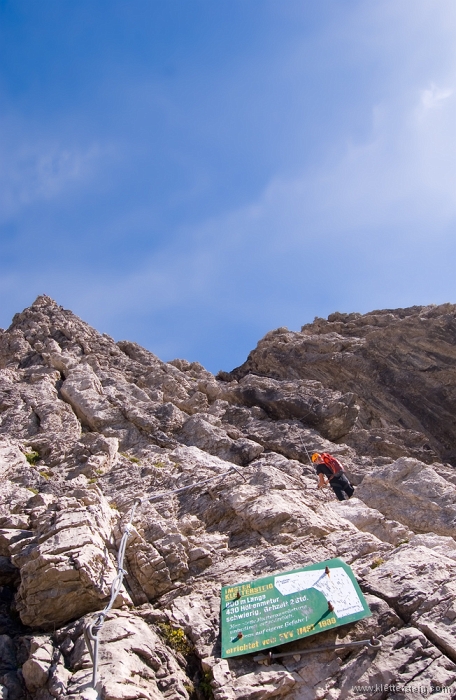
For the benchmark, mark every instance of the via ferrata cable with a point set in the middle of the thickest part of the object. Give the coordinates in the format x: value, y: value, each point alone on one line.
x: 92, y: 629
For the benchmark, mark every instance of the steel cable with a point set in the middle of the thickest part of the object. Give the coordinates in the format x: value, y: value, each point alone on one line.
x: 92, y: 629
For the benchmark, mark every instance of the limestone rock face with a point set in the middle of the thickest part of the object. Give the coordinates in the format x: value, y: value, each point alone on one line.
x: 134, y: 661
x: 330, y: 412
x: 370, y: 520
x: 419, y: 585
x: 227, y: 493
x: 400, y: 365
x: 202, y: 433
x: 36, y: 669
x: 426, y: 501
x: 65, y: 567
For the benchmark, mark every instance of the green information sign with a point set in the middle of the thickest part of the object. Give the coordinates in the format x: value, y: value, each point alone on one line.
x: 280, y: 608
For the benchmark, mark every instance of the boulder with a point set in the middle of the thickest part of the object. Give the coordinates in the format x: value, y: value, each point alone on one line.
x: 199, y: 432
x: 370, y: 520
x: 84, y: 392
x: 414, y: 494
x: 36, y: 669
x: 134, y: 662
x: 66, y: 570
x: 331, y: 413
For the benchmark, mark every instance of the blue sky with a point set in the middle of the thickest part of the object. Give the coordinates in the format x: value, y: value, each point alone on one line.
x: 192, y: 174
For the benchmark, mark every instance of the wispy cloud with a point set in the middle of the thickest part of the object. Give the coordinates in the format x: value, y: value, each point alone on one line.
x: 311, y: 240
x: 40, y: 169
x: 399, y: 186
x: 435, y: 96
x: 365, y: 219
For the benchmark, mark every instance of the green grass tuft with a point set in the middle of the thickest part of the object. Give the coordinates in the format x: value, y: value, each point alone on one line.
x: 32, y: 457
x: 135, y: 460
x: 378, y: 561
x: 204, y: 685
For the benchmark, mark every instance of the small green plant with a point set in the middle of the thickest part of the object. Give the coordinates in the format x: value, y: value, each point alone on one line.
x: 160, y: 465
x: 175, y: 638
x: 205, y: 685
x: 34, y: 491
x: 378, y: 561
x: 135, y: 460
x: 406, y: 541
x: 99, y: 472
x: 93, y: 480
x: 46, y: 475
x: 32, y: 457
x: 114, y: 505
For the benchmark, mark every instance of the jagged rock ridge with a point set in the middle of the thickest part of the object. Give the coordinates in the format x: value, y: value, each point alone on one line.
x: 400, y: 364
x: 87, y: 424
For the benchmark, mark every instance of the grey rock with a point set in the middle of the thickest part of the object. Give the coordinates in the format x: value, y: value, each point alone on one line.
x: 199, y: 432
x: 275, y: 682
x: 111, y: 422
x: 134, y: 662
x: 84, y: 392
x: 418, y: 584
x: 330, y: 412
x: 66, y: 569
x: 400, y: 365
x: 406, y: 661
x: 370, y: 520
x: 36, y: 669
x: 414, y: 494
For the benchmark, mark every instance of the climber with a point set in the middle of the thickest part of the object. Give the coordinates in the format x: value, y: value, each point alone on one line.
x: 330, y: 471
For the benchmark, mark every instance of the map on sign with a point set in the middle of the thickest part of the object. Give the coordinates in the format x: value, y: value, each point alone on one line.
x: 277, y: 609
x: 337, y: 588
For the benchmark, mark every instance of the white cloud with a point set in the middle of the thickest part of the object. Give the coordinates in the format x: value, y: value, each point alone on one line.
x: 435, y: 96
x: 381, y: 197
x: 358, y: 230
x: 261, y: 261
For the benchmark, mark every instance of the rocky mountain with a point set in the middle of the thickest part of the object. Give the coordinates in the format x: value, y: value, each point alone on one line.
x: 88, y: 425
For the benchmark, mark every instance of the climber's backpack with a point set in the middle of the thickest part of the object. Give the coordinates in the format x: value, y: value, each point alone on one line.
x: 333, y: 464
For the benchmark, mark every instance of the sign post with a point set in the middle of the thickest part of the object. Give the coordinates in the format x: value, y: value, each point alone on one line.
x: 288, y: 606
